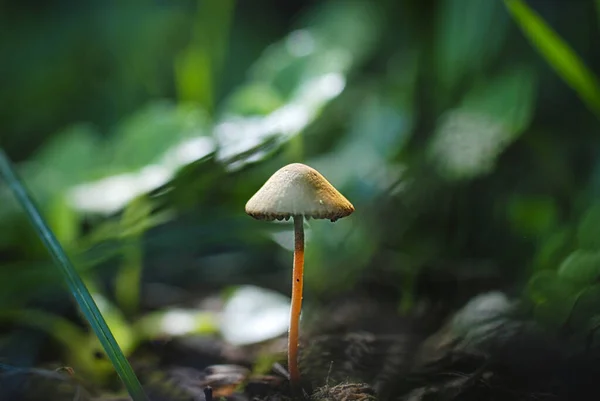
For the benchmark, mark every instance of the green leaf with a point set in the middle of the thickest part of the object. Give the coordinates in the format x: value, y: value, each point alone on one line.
x: 135, y: 215
x: 78, y: 289
x: 554, y: 247
x: 588, y: 232
x: 144, y: 137
x: 137, y: 218
x: 80, y: 348
x: 553, y: 298
x: 509, y: 98
x: 581, y: 267
x: 129, y: 276
x: 64, y: 220
x: 134, y: 223
x: 254, y: 99
x: 469, y: 139
x: 332, y: 38
x: 557, y: 53
x: 555, y: 313
x: 125, y: 336
x: 68, y: 159
x: 545, y: 286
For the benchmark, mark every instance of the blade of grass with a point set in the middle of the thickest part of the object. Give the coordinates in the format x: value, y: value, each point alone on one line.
x: 133, y: 224
x: 127, y: 283
x: 78, y: 289
x: 557, y: 53
x: 198, y: 67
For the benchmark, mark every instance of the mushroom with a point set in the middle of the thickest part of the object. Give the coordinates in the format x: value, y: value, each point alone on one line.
x: 297, y: 191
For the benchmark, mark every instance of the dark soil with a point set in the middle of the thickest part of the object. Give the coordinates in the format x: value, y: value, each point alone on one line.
x: 355, y: 348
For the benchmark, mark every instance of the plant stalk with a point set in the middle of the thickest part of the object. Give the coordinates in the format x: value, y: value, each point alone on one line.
x: 78, y: 289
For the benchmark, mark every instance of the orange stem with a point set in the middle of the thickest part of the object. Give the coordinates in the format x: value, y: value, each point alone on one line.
x: 297, y: 283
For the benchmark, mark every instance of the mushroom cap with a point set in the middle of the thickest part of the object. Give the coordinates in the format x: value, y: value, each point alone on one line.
x: 298, y: 190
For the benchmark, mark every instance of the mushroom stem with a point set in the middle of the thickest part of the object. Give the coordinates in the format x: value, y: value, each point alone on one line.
x: 297, y: 283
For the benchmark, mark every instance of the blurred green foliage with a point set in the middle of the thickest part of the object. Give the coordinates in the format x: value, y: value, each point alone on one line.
x: 566, y: 294
x: 558, y: 54
x: 79, y: 291
x: 459, y: 130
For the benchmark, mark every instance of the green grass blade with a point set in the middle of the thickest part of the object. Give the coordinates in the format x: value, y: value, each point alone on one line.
x: 78, y: 289
x: 557, y: 53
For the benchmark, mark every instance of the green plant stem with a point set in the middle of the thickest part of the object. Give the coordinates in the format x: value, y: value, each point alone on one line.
x: 78, y: 289
x: 127, y: 283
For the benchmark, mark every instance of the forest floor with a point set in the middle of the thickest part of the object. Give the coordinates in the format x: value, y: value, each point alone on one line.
x: 357, y: 348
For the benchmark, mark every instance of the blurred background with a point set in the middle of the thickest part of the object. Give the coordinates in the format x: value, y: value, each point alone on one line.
x: 465, y: 133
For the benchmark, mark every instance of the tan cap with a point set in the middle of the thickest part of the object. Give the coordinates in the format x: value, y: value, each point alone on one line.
x: 298, y: 190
